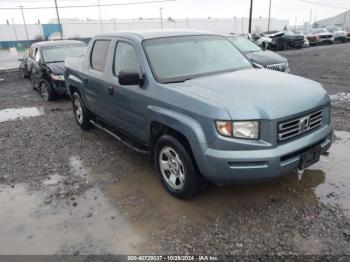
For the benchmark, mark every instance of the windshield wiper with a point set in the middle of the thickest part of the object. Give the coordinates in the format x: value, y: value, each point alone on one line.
x: 178, y: 81
x: 54, y: 62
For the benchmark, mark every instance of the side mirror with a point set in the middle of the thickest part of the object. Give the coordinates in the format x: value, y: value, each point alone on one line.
x: 131, y: 77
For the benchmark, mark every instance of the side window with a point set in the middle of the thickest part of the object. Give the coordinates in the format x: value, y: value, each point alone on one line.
x: 37, y: 56
x: 99, y: 54
x: 125, y: 58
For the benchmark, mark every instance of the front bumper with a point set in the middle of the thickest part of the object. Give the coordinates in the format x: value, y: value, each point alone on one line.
x: 253, y: 166
x: 326, y: 40
x: 59, y: 87
x: 340, y: 38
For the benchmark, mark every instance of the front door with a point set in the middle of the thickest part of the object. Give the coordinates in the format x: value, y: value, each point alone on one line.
x: 36, y: 73
x: 128, y: 103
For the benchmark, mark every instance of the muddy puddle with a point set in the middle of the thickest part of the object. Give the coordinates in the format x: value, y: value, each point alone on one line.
x: 148, y: 204
x: 12, y: 114
x: 91, y: 226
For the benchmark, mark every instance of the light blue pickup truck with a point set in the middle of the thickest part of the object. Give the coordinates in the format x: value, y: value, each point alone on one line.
x: 198, y: 107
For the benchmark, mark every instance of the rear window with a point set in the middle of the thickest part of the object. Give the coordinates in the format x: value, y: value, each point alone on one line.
x: 99, y: 54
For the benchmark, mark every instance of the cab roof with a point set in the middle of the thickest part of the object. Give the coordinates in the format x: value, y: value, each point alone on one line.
x: 56, y: 43
x: 149, y: 34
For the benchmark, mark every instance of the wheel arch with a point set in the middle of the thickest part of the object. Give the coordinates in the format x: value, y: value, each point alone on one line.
x: 185, y: 128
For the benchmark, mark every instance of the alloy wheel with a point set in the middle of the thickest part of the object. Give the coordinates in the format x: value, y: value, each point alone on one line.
x: 172, y: 167
x: 78, y: 111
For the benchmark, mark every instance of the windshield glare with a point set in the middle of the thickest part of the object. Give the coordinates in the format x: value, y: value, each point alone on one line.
x: 60, y: 53
x: 175, y: 59
x: 244, y: 44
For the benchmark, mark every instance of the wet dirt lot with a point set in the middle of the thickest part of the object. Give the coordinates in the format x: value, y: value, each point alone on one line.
x: 68, y: 191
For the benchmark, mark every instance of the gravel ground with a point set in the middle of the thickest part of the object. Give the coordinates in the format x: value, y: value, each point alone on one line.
x: 89, y: 194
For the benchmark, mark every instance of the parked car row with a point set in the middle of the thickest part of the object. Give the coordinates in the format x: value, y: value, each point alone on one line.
x: 284, y: 40
x: 259, y: 56
x: 198, y: 106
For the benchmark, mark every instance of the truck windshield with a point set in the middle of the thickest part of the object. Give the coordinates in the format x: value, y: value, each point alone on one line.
x: 59, y: 53
x: 180, y: 58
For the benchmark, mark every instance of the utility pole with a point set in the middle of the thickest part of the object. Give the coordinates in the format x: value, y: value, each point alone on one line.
x: 250, y: 17
x: 115, y: 23
x: 58, y: 20
x: 24, y: 21
x: 310, y: 17
x: 268, y: 23
x: 235, y: 30
x: 345, y: 18
x: 100, y: 15
x: 14, y: 30
x: 161, y: 17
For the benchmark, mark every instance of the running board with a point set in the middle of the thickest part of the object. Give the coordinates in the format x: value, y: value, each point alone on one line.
x: 139, y: 150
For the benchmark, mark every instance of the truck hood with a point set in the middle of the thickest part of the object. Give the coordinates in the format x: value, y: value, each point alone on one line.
x: 257, y: 93
x: 266, y: 57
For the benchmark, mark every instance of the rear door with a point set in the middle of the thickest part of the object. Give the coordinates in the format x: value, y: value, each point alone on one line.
x: 96, y: 90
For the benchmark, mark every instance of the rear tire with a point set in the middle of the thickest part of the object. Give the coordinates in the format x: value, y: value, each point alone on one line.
x: 82, y: 115
x: 176, y: 168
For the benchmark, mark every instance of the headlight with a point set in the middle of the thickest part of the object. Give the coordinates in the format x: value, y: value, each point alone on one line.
x: 57, y: 77
x: 239, y: 129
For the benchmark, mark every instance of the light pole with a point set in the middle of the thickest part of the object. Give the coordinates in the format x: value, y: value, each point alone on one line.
x: 268, y: 23
x: 250, y: 17
x: 24, y: 21
x: 58, y: 20
x: 161, y: 17
x: 14, y: 30
x: 99, y: 15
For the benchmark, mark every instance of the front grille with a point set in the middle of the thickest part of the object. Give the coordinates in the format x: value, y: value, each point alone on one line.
x: 325, y: 36
x: 297, y: 126
x: 282, y: 67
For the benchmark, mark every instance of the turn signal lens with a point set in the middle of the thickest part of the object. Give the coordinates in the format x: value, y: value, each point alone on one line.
x: 224, y: 128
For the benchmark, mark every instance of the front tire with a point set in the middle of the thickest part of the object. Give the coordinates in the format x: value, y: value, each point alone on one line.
x: 82, y: 116
x: 46, y: 91
x: 176, y: 168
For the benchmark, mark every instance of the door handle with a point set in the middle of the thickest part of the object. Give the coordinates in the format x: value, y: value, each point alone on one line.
x: 110, y: 90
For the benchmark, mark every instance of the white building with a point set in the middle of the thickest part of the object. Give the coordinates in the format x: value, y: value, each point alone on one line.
x: 342, y: 20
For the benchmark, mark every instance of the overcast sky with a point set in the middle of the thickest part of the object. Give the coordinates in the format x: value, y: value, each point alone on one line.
x: 281, y: 9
